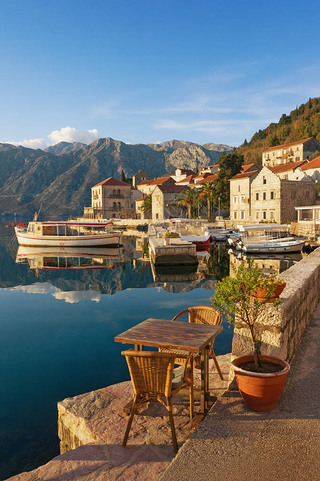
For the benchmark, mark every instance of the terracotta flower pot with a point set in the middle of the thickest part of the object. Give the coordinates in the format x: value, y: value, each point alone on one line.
x: 261, y: 294
x: 260, y: 391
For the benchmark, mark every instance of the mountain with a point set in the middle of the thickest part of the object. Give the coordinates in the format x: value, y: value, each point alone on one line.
x: 300, y: 123
x: 59, y: 180
x: 64, y: 147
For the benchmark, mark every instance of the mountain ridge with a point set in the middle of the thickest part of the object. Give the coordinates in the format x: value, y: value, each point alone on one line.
x: 59, y: 179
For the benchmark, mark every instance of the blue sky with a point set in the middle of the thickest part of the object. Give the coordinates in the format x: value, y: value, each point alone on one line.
x: 149, y: 71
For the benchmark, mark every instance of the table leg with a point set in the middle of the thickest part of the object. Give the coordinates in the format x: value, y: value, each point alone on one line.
x: 204, y: 396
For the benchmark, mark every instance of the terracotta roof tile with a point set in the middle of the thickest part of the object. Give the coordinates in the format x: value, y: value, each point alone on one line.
x: 282, y: 146
x: 208, y: 178
x: 172, y: 188
x: 277, y: 169
x: 247, y: 167
x: 159, y: 181
x: 244, y: 175
x: 187, y: 179
x: 312, y: 164
x: 112, y: 181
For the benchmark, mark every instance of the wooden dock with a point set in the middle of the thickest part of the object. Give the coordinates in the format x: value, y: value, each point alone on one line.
x: 172, y: 251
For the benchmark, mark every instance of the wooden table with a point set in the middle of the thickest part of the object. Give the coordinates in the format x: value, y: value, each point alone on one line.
x: 191, y: 337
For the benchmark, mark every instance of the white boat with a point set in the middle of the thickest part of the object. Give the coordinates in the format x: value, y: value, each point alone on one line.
x: 219, y: 233
x: 51, y: 258
x: 67, y: 234
x: 267, y: 238
x: 192, y: 230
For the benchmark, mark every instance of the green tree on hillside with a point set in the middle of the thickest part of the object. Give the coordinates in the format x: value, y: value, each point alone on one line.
x: 229, y: 165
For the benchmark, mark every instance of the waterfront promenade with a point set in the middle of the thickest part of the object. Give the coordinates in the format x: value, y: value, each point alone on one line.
x: 231, y: 443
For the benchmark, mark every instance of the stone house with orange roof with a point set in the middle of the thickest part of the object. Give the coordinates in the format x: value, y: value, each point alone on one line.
x: 147, y: 186
x: 164, y: 201
x: 240, y: 194
x: 111, y: 198
x: 273, y: 197
x: 290, y: 152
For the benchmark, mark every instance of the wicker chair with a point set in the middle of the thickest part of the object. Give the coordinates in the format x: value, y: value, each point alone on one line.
x: 154, y: 378
x: 200, y: 315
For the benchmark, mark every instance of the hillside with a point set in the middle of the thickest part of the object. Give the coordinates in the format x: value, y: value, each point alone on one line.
x: 302, y: 122
x: 59, y: 180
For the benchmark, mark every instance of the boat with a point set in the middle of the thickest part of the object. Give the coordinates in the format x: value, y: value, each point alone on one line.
x: 192, y: 230
x: 267, y: 238
x: 67, y: 233
x: 219, y: 233
x: 52, y: 258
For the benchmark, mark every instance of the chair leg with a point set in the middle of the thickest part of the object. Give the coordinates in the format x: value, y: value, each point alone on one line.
x: 133, y: 410
x: 191, y: 394
x: 173, y: 431
x: 217, y: 365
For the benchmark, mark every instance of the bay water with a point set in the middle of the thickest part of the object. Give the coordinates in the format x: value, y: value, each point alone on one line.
x: 57, y: 329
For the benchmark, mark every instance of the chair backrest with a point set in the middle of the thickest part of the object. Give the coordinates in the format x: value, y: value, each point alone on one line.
x: 202, y: 315
x: 151, y: 372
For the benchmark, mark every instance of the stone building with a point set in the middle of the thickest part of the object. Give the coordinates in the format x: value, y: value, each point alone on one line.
x: 240, y: 194
x: 273, y: 199
x: 146, y: 187
x: 139, y: 177
x: 110, y: 198
x: 290, y: 152
x: 164, y: 201
x: 181, y: 174
x: 290, y: 171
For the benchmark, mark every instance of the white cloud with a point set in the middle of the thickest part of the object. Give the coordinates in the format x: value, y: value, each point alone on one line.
x: 66, y: 134
x: 70, y: 134
x: 73, y: 297
x: 36, y: 288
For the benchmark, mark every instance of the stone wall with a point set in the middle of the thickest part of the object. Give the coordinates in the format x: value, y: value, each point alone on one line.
x: 282, y: 327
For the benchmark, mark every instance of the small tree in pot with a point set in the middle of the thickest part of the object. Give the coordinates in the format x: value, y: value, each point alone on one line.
x: 243, y: 297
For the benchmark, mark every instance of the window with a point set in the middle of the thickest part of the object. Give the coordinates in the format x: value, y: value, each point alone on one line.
x: 242, y: 214
x: 293, y: 194
x: 297, y: 159
x: 242, y: 199
x: 257, y: 214
x: 235, y: 214
x: 264, y: 195
x: 272, y: 195
x: 271, y: 215
x: 257, y: 195
x: 264, y: 215
x: 235, y: 199
x: 264, y: 180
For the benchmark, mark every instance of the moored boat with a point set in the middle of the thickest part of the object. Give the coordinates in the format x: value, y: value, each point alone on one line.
x: 268, y: 238
x: 67, y: 234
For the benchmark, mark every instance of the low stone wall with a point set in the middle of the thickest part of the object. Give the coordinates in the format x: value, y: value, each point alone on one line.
x: 282, y: 327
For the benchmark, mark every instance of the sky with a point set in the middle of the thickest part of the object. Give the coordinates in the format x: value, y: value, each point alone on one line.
x: 147, y: 71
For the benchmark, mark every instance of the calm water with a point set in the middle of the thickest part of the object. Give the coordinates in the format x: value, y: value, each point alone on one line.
x: 57, y: 329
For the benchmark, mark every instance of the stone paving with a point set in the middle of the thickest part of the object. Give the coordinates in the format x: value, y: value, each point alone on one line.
x: 94, y: 424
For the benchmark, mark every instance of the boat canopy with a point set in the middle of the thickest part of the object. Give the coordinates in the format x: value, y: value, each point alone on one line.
x: 263, y: 228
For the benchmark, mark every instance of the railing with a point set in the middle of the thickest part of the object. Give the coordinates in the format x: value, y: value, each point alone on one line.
x: 116, y: 196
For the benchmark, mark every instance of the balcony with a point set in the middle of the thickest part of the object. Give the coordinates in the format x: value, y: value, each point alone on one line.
x: 116, y: 196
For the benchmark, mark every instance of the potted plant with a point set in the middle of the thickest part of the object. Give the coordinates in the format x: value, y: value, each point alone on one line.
x: 260, y: 378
